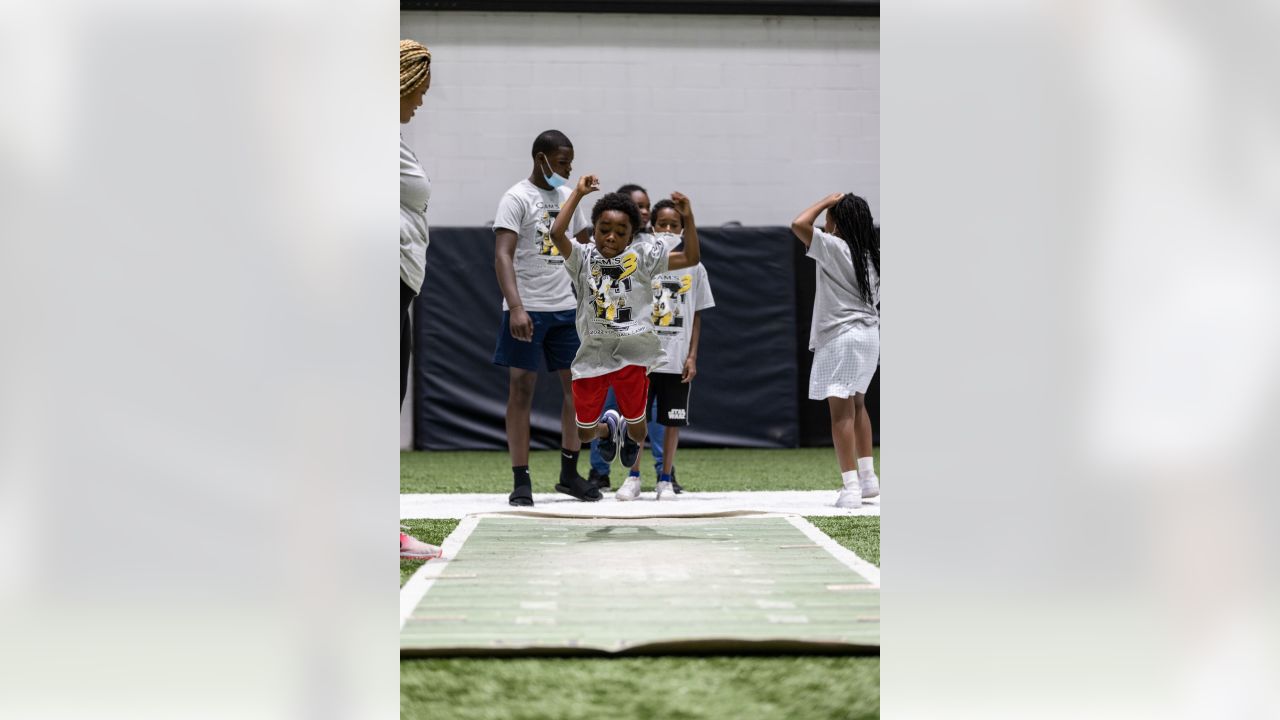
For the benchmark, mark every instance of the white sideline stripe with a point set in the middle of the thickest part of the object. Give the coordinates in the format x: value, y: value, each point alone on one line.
x: 793, y: 502
x: 422, y: 580
x: 846, y: 556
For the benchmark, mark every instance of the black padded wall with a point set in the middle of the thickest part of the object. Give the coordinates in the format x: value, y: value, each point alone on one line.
x: 753, y: 360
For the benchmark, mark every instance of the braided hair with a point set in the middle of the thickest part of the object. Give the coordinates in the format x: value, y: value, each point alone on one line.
x: 415, y: 65
x: 855, y: 226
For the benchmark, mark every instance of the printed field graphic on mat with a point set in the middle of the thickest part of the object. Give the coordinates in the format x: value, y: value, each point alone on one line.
x: 685, y: 687
x: 859, y: 534
x: 698, y: 581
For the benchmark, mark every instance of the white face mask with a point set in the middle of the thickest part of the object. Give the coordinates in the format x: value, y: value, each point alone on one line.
x: 553, y: 179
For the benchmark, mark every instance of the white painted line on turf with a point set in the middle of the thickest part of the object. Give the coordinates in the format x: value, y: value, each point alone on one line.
x: 422, y: 580
x: 846, y: 556
x: 689, y: 504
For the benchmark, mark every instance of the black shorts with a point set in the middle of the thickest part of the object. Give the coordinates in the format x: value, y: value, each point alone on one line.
x: 673, y: 399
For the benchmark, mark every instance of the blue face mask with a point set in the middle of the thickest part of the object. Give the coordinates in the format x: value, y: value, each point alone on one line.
x: 553, y: 179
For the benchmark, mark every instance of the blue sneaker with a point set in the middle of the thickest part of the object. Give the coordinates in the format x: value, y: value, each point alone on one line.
x: 608, y: 446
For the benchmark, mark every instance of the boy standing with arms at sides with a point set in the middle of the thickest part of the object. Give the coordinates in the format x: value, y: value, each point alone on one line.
x: 679, y: 297
x: 613, y: 279
x: 538, y: 305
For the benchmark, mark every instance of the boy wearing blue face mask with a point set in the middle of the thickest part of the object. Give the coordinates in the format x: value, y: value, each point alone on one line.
x: 538, y: 308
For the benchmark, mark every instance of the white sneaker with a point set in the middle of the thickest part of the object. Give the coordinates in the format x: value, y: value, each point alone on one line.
x: 630, y: 489
x: 666, y: 491
x: 870, y: 486
x: 850, y: 498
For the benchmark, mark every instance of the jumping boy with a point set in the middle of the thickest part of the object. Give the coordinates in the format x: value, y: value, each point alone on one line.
x: 537, y: 319
x: 599, y: 475
x: 613, y: 279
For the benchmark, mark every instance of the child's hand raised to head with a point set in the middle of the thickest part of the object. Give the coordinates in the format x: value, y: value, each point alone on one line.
x: 833, y: 198
x: 681, y: 201
x: 588, y: 184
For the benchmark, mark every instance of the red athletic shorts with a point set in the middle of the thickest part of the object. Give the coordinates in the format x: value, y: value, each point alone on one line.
x: 630, y: 388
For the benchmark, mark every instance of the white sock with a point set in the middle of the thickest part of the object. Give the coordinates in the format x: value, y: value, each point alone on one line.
x: 866, y: 467
x: 850, y: 479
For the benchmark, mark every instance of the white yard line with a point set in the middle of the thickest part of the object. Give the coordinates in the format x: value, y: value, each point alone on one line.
x: 422, y: 580
x: 690, y: 504
x: 846, y: 556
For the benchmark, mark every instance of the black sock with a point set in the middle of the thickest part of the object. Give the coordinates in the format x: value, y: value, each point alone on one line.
x: 521, y: 473
x: 568, y: 463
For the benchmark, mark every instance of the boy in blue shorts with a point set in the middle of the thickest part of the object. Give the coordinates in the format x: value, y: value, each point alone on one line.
x: 538, y: 309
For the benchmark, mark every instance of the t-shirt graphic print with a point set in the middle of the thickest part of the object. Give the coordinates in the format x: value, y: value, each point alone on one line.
x: 614, y: 307
x: 530, y: 211
x: 677, y: 295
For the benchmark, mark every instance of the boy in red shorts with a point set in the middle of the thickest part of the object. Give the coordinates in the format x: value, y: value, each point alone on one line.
x: 612, y: 279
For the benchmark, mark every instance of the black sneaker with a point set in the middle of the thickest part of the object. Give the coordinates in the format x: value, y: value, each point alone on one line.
x: 630, y: 451
x: 675, y: 486
x: 608, y: 446
x: 521, y: 496
x: 578, y: 487
x: 601, y: 482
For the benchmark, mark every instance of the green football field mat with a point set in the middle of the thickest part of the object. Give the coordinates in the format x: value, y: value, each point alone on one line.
x: 530, y: 586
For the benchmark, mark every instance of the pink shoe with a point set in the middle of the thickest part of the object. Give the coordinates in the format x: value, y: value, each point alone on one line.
x: 414, y: 549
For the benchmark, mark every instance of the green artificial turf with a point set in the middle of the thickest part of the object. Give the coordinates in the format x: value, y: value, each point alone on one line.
x: 670, y: 688
x: 860, y: 534
x: 714, y: 470
x: 428, y: 531
x: 658, y: 688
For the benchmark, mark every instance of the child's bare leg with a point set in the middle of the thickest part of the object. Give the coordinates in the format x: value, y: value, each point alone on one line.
x: 862, y: 426
x: 587, y: 434
x: 842, y: 431
x: 635, y: 468
x: 638, y: 431
x: 670, y: 437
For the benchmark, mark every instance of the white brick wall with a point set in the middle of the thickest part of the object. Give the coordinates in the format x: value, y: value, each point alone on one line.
x: 753, y: 117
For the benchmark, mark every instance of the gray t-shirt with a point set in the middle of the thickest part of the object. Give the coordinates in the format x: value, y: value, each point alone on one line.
x: 415, y: 193
x: 837, y: 306
x: 529, y: 211
x: 615, y: 300
x: 677, y: 295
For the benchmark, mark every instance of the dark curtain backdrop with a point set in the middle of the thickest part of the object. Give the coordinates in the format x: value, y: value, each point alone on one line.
x: 753, y: 358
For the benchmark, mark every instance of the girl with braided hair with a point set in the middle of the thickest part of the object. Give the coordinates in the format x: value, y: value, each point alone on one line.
x: 845, y: 335
x: 415, y: 192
